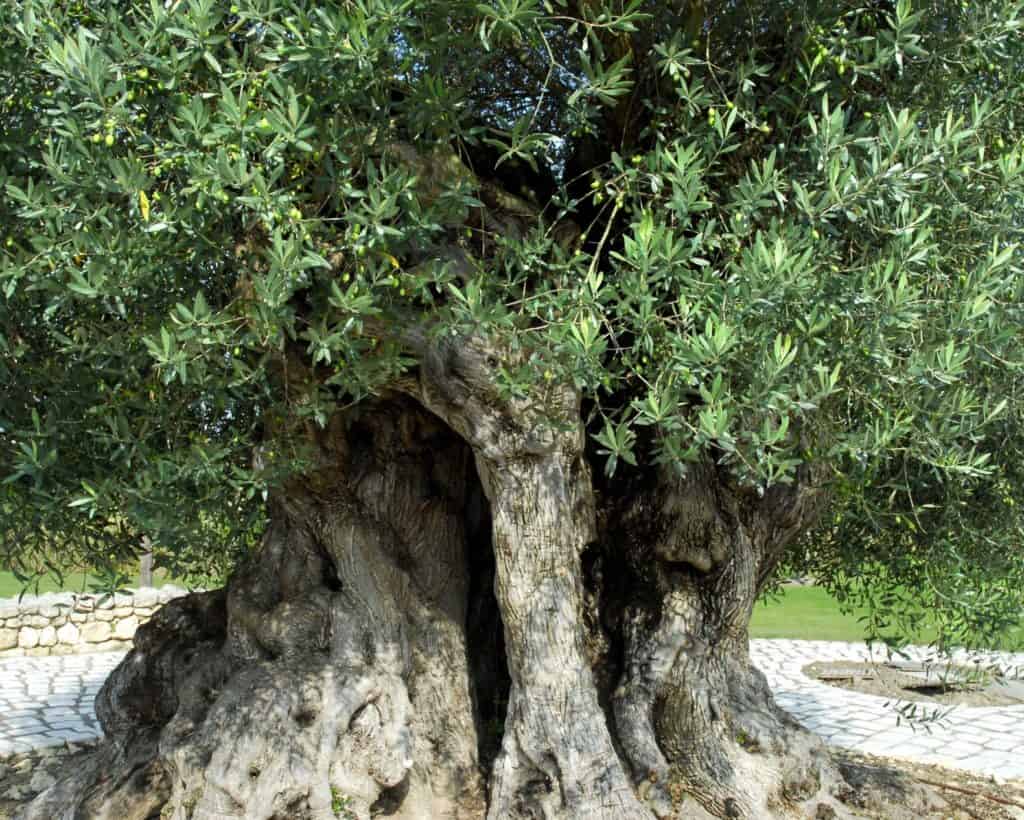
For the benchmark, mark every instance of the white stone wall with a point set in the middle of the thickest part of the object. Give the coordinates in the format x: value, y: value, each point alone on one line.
x: 65, y: 623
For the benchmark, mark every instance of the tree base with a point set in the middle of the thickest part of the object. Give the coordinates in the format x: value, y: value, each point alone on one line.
x: 358, y: 665
x: 191, y: 735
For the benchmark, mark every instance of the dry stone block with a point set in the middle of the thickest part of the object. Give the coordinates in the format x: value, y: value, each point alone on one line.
x: 65, y: 623
x: 125, y: 629
x: 28, y: 637
x: 168, y: 593
x: 96, y: 632
x: 108, y: 646
x: 69, y: 633
x: 8, y: 638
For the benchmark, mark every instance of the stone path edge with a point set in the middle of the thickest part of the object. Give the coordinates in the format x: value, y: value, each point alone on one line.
x: 983, y: 740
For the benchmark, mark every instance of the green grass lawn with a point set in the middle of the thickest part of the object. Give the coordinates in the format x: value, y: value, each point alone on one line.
x: 807, y: 613
x: 810, y: 613
x: 10, y: 587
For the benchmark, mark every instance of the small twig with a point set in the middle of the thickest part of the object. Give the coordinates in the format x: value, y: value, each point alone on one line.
x: 973, y: 792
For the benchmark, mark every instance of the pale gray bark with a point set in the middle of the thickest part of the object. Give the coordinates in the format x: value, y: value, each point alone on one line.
x: 557, y: 758
x: 146, y: 564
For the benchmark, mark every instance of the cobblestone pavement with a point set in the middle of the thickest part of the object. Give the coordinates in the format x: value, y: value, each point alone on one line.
x: 47, y: 701
x: 984, y: 740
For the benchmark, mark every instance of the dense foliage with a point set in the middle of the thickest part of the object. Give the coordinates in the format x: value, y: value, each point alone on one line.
x: 781, y: 234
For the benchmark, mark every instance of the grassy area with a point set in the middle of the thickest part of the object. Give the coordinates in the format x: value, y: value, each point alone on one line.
x: 810, y: 613
x: 806, y: 613
x: 10, y: 587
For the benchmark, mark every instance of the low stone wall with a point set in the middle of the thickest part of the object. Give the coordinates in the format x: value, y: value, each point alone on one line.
x: 65, y: 623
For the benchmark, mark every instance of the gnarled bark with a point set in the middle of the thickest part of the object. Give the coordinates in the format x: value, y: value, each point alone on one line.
x: 557, y: 758
x: 334, y: 676
x: 696, y: 721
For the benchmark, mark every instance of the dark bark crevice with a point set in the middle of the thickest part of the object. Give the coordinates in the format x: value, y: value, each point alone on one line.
x: 606, y: 590
x: 485, y: 635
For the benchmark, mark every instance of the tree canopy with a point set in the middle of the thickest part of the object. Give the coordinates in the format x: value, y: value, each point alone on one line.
x: 779, y: 237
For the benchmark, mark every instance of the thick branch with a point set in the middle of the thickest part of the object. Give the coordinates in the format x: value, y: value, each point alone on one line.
x: 557, y: 757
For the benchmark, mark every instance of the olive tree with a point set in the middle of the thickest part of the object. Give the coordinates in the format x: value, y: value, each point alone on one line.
x: 504, y: 352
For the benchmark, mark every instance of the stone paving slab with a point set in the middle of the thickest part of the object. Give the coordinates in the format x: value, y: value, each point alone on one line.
x: 982, y: 740
x: 48, y: 701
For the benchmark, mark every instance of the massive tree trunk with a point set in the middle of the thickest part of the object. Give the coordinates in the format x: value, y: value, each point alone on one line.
x: 445, y: 620
x: 696, y: 720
